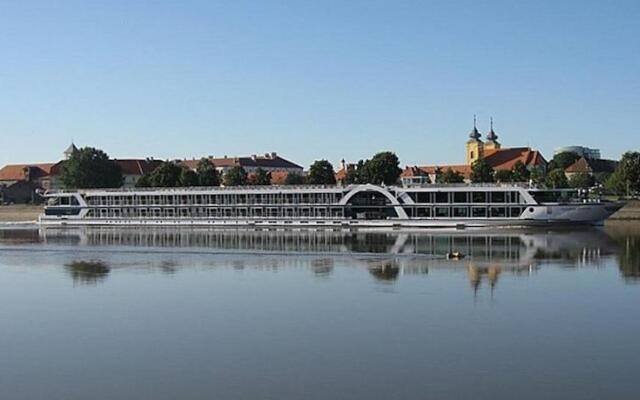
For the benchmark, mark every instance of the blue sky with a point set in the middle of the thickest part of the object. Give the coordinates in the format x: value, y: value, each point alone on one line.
x: 316, y: 79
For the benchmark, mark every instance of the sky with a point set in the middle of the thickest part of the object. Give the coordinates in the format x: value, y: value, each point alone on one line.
x: 316, y: 79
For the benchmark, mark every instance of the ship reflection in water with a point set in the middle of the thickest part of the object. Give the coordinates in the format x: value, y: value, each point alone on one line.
x: 386, y: 255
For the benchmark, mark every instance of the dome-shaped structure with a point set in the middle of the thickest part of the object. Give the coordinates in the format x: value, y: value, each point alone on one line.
x: 474, y: 134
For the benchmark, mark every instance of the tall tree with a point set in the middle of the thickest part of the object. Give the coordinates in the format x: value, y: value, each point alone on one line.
x: 556, y: 179
x: 503, y: 175
x: 90, y: 168
x: 537, y: 175
x: 628, y: 172
x: 581, y: 180
x: 236, y: 176
x: 321, y: 173
x: 260, y: 177
x: 563, y: 160
x: 167, y: 174
x: 355, y: 174
x: 384, y: 167
x: 188, y: 178
x: 207, y: 173
x: 481, y: 172
x: 449, y: 176
x: 519, y: 172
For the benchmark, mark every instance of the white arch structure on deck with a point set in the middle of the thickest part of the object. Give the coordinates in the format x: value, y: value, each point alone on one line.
x: 373, y: 188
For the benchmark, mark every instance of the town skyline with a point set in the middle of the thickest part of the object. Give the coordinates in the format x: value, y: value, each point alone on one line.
x: 327, y: 80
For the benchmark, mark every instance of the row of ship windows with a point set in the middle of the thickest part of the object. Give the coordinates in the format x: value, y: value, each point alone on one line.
x: 286, y: 212
x: 464, y: 212
x: 465, y: 197
x: 255, y: 198
x: 226, y: 212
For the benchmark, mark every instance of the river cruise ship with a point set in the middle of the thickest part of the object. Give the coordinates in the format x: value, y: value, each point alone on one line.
x: 428, y: 206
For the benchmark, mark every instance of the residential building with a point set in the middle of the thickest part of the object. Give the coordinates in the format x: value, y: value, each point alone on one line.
x: 598, y: 168
x: 270, y: 162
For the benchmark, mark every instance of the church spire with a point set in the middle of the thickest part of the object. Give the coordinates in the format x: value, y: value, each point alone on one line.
x: 492, y: 135
x: 474, y: 132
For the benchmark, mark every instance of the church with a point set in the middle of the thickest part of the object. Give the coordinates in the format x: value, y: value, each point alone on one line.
x: 490, y: 150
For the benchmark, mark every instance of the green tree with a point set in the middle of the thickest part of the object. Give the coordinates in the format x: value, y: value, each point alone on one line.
x: 503, y: 175
x: 207, y: 173
x: 538, y: 175
x: 449, y: 176
x: 90, y: 168
x: 563, y: 160
x: 167, y: 174
x: 628, y: 173
x: 482, y: 172
x: 294, y: 179
x: 615, y: 184
x: 384, y: 167
x: 556, y: 179
x: 260, y: 177
x: 581, y: 180
x: 321, y: 173
x: 519, y: 172
x: 144, y: 181
x: 355, y: 174
x: 188, y: 178
x: 236, y: 176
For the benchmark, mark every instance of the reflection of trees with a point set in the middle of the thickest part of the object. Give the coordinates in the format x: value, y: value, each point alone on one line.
x: 387, y: 270
x: 627, y: 238
x: 88, y: 272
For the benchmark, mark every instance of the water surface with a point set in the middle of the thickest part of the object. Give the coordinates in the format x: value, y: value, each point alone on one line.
x: 166, y: 314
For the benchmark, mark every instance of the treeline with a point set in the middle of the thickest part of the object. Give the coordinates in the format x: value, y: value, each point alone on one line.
x: 92, y: 168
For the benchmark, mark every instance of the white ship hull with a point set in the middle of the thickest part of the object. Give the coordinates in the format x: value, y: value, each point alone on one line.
x: 398, y: 207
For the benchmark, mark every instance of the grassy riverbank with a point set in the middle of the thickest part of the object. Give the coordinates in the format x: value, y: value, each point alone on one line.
x: 19, y: 213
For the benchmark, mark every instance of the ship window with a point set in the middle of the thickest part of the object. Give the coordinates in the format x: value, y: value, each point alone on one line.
x: 442, y: 197
x: 515, y: 197
x: 459, y: 197
x: 441, y: 211
x: 498, y: 212
x: 515, y: 211
x: 498, y: 197
x: 460, y: 212
x: 424, y: 197
x: 409, y: 211
x: 479, y: 212
x: 479, y: 197
x: 423, y: 212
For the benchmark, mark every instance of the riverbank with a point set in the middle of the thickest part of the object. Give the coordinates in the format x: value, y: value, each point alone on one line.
x: 19, y: 213
x: 629, y: 212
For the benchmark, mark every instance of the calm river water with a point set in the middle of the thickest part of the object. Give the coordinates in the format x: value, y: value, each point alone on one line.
x: 166, y: 314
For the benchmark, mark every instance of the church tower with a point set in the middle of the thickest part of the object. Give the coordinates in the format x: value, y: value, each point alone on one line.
x: 475, y: 146
x: 492, y: 140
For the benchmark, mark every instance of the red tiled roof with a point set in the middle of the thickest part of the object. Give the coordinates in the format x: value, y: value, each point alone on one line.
x: 271, y: 161
x: 412, y: 171
x: 16, y: 172
x: 505, y: 159
x: 137, y: 166
x: 464, y: 170
x: 592, y: 166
